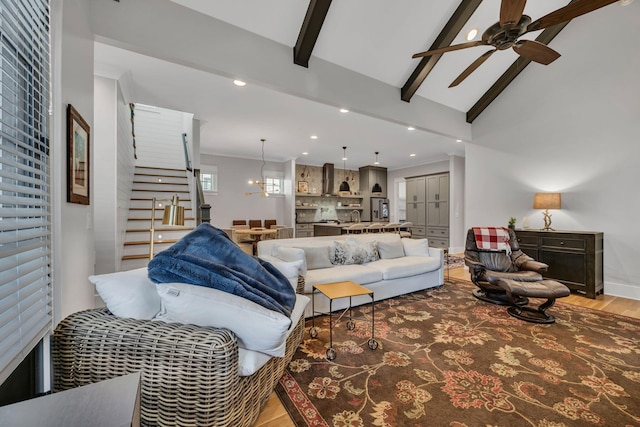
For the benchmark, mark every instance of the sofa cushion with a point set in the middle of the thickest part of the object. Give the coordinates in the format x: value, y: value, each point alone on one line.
x: 361, y: 274
x: 290, y: 270
x: 256, y: 327
x: 353, y: 252
x: 390, y: 249
x: 128, y: 293
x: 405, y: 266
x: 316, y: 256
x: 289, y: 254
x: 415, y: 247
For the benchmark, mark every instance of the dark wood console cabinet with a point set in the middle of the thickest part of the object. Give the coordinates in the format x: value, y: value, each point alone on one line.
x: 574, y: 257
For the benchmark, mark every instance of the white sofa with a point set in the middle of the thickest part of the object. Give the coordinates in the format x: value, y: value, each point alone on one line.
x: 405, y: 265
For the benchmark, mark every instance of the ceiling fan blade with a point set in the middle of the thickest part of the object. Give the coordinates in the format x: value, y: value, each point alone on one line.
x: 511, y: 12
x: 471, y: 68
x: 536, y: 51
x: 450, y: 48
x: 567, y: 13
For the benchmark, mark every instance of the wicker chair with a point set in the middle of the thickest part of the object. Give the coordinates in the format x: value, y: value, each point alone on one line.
x: 189, y: 374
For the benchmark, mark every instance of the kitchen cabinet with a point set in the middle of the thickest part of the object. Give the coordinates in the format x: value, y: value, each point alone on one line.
x: 304, y: 230
x: 369, y: 176
x: 428, y: 207
x: 575, y: 258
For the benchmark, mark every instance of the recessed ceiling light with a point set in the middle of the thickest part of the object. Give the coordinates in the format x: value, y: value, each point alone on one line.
x: 305, y: 154
x: 239, y: 83
x: 625, y: 2
x: 344, y: 110
x: 472, y: 34
x: 344, y: 159
x: 411, y: 128
x: 314, y: 136
x: 412, y: 155
x: 458, y: 140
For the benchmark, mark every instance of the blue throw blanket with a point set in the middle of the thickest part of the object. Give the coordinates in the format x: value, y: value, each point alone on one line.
x: 207, y: 257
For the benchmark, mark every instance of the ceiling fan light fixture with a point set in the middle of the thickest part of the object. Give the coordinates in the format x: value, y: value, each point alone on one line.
x: 472, y: 34
x: 239, y: 83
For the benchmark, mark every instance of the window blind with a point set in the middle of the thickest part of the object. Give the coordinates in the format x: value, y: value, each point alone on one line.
x: 25, y: 232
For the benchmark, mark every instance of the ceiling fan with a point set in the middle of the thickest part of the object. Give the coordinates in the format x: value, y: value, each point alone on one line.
x: 513, y: 24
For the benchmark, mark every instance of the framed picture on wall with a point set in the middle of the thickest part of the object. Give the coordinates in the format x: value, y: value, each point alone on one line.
x: 78, y: 158
x: 303, y: 187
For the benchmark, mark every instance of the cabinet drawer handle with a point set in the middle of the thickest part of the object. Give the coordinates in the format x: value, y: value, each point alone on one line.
x: 561, y: 243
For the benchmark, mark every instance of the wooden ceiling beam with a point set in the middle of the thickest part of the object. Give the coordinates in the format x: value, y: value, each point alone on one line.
x: 445, y: 38
x: 512, y: 72
x: 311, y: 26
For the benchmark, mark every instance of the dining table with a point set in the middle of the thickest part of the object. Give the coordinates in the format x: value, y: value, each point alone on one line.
x: 256, y: 234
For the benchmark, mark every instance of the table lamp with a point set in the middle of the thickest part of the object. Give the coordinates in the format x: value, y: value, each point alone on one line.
x: 547, y: 201
x: 173, y: 215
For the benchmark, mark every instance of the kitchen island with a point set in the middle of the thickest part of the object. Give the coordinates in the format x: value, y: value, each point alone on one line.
x: 333, y: 228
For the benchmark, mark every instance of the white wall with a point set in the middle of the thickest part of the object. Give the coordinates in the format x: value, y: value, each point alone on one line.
x: 72, y: 81
x: 159, y: 136
x: 113, y: 147
x: 571, y: 127
x: 231, y: 203
x: 105, y: 149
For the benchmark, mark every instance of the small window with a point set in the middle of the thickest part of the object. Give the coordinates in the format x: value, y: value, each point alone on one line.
x: 274, y: 185
x: 209, y: 180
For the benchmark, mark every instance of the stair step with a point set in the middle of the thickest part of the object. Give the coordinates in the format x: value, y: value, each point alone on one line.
x: 158, y: 219
x: 146, y: 242
x: 139, y: 256
x: 148, y: 199
x: 158, y: 191
x: 154, y: 168
x: 160, y: 229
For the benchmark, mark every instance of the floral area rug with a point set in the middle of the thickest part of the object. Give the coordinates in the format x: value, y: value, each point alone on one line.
x: 448, y: 359
x: 454, y: 261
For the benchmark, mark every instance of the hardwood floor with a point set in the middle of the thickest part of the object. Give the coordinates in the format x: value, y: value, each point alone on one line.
x: 274, y: 414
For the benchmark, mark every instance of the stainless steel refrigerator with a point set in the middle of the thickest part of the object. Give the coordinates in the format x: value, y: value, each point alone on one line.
x: 379, y: 209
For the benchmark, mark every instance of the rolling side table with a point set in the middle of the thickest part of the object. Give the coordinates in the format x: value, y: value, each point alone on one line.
x: 341, y: 290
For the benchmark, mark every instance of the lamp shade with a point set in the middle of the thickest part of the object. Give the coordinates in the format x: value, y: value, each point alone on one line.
x: 547, y: 201
x: 344, y: 187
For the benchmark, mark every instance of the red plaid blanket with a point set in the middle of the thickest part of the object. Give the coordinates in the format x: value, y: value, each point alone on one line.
x: 492, y: 238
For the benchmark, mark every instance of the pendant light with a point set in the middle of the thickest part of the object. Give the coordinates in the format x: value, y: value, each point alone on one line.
x: 262, y: 184
x: 376, y: 190
x: 344, y: 186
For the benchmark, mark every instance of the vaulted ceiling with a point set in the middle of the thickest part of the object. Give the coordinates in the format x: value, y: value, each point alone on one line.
x: 373, y: 38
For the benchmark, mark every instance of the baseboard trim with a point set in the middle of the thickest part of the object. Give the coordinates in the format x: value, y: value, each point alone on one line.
x: 622, y: 290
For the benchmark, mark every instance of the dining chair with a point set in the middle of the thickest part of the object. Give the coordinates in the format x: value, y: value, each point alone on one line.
x: 405, y: 229
x: 269, y: 223
x: 255, y: 223
x: 239, y: 222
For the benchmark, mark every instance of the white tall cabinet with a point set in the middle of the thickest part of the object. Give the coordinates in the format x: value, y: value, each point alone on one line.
x: 428, y: 208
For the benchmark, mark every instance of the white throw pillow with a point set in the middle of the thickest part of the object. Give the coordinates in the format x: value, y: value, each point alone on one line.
x: 316, y: 257
x: 128, y: 293
x: 291, y: 270
x: 415, y: 247
x: 390, y: 249
x: 256, y: 327
x: 291, y: 255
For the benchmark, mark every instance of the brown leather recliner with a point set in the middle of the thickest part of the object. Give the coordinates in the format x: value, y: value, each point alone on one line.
x: 487, y: 267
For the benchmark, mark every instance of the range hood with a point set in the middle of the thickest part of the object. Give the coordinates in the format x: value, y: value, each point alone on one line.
x: 327, y: 179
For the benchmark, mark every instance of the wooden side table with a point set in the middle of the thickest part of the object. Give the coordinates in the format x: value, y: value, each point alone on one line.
x: 341, y: 290
x: 110, y: 403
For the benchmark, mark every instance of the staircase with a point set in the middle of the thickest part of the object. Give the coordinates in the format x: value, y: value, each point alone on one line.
x: 162, y: 184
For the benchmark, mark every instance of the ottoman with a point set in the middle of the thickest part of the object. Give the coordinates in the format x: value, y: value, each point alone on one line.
x: 549, y: 289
